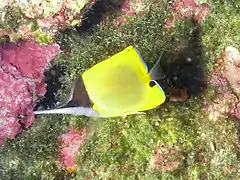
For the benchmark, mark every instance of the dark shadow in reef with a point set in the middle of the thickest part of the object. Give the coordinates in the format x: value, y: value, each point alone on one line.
x: 94, y: 14
x: 185, y: 69
x: 55, y: 81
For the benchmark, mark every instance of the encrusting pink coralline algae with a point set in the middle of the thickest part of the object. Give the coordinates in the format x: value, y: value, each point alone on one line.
x: 71, y: 141
x: 187, y: 8
x: 22, y: 69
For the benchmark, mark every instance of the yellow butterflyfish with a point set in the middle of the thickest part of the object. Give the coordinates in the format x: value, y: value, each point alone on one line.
x: 117, y: 86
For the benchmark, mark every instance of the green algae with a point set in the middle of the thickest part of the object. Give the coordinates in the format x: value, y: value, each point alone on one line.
x: 221, y: 28
x: 33, y: 153
x: 119, y: 148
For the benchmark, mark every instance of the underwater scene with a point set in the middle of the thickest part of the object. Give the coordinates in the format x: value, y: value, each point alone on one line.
x: 119, y: 89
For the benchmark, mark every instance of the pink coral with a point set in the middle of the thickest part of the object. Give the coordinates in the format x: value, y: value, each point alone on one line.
x: 187, y: 8
x: 130, y: 8
x: 21, y: 77
x: 127, y: 8
x: 201, y: 12
x: 225, y: 79
x: 70, y: 144
x: 55, y: 22
x: 223, y: 96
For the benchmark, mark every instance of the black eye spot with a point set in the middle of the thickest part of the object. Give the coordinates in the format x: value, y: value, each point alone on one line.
x: 152, y: 83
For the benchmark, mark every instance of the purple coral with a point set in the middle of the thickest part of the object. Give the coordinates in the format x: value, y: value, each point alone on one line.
x: 22, y: 69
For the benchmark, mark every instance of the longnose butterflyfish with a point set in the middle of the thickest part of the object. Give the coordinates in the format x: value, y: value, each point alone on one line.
x: 118, y: 86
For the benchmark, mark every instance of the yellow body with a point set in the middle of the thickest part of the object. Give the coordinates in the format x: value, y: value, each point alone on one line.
x: 119, y: 85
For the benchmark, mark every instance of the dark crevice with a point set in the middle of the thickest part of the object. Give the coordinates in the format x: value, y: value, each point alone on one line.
x: 94, y: 14
x: 185, y: 69
x: 56, y: 81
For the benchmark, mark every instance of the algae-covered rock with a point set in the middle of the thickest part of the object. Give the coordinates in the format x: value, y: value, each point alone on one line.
x: 38, y: 19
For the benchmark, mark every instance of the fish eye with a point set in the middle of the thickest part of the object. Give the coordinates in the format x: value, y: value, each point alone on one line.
x: 152, y: 83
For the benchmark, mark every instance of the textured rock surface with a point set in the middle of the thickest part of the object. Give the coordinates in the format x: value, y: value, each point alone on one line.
x: 226, y: 81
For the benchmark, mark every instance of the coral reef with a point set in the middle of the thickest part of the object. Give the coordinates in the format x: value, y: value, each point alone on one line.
x: 199, y: 132
x: 187, y: 8
x: 38, y: 20
x: 21, y: 78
